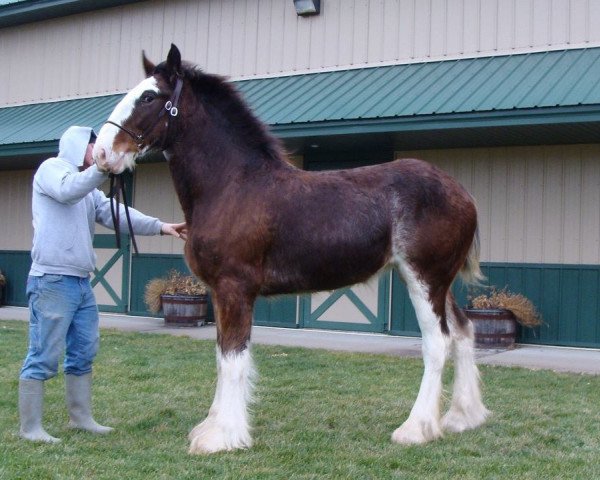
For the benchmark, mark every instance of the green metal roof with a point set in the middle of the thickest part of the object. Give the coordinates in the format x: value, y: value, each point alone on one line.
x: 489, y: 87
x: 17, y: 12
x: 533, y: 91
x: 28, y: 129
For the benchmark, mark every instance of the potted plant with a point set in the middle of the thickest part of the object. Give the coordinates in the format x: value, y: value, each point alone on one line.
x: 2, y: 285
x: 182, y: 298
x: 496, y: 314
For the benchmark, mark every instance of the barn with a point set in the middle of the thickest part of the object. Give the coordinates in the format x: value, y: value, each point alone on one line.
x: 502, y: 94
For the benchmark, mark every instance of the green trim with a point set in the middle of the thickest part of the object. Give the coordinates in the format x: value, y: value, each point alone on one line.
x: 108, y: 241
x: 377, y: 322
x: 537, y: 116
x: 567, y: 296
x: 279, y: 311
x: 99, y: 277
x: 403, y: 320
x: 15, y: 266
x: 385, y: 283
x: 540, y: 116
x: 345, y: 326
x: 358, y: 303
x: 32, y: 148
x: 27, y: 11
x: 326, y: 305
x: 145, y: 267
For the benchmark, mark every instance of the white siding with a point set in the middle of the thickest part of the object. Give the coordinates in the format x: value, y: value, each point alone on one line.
x: 155, y: 195
x: 536, y: 204
x: 16, y: 232
x: 99, y: 52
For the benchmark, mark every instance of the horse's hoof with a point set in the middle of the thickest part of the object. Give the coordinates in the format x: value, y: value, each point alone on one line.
x: 414, y: 432
x: 457, y: 420
x: 209, y: 437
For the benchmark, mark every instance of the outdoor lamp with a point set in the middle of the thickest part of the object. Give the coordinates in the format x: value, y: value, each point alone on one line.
x: 307, y: 7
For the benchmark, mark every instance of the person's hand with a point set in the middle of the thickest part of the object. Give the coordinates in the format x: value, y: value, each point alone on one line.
x: 99, y: 158
x: 178, y: 230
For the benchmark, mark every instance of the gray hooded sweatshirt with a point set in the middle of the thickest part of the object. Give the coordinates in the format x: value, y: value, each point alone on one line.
x: 66, y: 204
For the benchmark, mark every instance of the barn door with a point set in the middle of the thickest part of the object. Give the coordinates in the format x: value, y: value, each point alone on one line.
x: 361, y: 308
x: 110, y: 279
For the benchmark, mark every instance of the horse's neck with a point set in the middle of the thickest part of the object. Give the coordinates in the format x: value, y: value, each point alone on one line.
x: 204, y: 163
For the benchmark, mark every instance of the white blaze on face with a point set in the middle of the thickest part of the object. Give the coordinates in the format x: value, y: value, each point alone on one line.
x: 105, y: 152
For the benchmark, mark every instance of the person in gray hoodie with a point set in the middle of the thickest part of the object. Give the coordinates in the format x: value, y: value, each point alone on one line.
x: 66, y: 204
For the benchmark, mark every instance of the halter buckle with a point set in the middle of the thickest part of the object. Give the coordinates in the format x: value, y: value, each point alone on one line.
x: 168, y: 105
x: 174, y: 111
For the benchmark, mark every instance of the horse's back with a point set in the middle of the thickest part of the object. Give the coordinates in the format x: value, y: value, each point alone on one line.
x: 335, y: 228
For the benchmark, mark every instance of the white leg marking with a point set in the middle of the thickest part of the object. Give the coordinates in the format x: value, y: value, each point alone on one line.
x: 423, y: 423
x: 226, y: 427
x: 467, y: 410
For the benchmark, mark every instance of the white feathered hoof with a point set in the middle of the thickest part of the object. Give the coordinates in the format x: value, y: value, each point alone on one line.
x: 416, y: 432
x: 211, y: 437
x: 458, y: 420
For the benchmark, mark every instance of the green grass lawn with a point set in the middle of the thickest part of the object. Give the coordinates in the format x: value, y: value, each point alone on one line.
x: 319, y: 415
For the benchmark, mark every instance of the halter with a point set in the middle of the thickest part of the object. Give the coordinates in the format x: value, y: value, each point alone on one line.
x: 170, y: 106
x: 117, y: 185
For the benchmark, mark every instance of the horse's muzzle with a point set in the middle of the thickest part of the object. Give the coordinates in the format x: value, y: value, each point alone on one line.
x: 113, y: 161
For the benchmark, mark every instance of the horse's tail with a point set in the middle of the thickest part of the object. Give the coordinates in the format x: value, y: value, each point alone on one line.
x: 471, y: 271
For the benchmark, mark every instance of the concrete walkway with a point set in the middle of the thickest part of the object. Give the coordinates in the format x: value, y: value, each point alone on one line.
x: 559, y: 359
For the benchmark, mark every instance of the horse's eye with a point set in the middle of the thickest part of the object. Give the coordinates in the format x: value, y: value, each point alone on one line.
x: 148, y: 97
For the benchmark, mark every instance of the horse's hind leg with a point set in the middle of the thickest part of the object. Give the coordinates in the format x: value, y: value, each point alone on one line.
x: 227, y: 427
x: 467, y: 410
x: 423, y: 423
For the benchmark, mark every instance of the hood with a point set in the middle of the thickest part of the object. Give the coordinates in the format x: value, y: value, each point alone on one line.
x: 73, y: 144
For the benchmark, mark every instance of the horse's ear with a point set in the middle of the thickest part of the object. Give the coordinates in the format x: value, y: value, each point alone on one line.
x: 148, y: 65
x: 174, y: 60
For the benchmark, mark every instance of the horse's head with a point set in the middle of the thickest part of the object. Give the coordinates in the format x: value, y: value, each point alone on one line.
x: 141, y: 119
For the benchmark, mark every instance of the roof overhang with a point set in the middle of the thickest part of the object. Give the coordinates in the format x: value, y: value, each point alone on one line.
x: 27, y: 11
x: 551, y: 126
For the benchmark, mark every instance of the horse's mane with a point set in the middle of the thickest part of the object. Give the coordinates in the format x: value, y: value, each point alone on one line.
x: 216, y: 90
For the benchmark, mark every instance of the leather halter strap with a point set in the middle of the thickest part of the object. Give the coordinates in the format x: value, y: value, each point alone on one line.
x: 171, y: 106
x: 117, y: 187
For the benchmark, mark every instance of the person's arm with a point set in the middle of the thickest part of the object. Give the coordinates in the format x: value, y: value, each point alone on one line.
x: 142, y: 224
x: 56, y: 179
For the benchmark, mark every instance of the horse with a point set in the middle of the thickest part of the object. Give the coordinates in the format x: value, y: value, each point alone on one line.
x: 257, y: 225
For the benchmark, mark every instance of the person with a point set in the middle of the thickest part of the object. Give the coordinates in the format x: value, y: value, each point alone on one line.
x: 66, y: 204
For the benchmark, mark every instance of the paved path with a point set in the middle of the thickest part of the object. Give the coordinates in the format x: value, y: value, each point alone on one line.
x: 576, y: 360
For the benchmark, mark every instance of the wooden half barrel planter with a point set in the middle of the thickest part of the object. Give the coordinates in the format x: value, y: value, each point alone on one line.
x: 493, y: 328
x: 184, y: 310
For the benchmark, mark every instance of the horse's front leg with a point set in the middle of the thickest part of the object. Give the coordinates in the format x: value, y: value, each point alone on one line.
x: 227, y: 427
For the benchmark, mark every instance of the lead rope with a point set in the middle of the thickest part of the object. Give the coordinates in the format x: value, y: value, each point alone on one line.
x: 116, y: 188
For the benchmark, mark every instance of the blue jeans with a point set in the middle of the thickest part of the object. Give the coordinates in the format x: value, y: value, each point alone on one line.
x: 62, y: 312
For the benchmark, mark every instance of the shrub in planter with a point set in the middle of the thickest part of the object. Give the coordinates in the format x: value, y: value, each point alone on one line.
x: 496, y: 314
x: 183, y: 299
